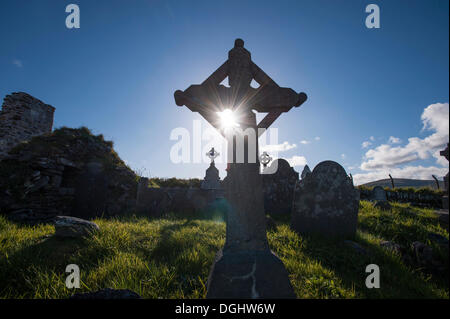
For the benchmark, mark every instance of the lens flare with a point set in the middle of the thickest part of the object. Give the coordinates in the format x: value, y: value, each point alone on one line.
x: 228, y: 119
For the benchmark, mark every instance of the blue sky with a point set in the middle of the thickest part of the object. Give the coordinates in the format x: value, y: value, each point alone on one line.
x: 117, y: 74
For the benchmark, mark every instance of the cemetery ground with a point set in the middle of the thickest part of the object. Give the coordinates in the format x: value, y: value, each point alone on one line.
x: 170, y: 257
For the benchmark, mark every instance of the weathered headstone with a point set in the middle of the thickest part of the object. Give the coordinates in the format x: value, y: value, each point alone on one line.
x: 279, y: 187
x: 378, y: 193
x: 326, y: 202
x: 306, y: 171
x: 212, y: 179
x: 245, y: 267
x: 265, y: 159
x: 379, y: 198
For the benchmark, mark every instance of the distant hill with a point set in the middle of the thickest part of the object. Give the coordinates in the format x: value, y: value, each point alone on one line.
x: 405, y: 182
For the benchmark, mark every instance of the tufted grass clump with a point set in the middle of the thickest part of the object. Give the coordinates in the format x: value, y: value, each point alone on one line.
x: 171, y: 257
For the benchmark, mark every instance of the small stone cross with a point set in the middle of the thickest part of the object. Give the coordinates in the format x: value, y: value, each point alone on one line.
x: 212, y: 154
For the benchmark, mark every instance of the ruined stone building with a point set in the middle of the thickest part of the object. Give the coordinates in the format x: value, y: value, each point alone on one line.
x: 22, y: 117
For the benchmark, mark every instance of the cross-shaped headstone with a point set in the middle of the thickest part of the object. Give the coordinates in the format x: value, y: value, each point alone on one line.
x: 212, y: 154
x: 246, y: 225
x: 265, y: 158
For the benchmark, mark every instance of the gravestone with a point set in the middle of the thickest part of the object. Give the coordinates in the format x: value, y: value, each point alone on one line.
x: 326, y: 202
x: 379, y: 197
x: 306, y: 171
x: 279, y: 187
x: 265, y: 159
x: 245, y: 267
x: 379, y: 194
x: 212, y: 179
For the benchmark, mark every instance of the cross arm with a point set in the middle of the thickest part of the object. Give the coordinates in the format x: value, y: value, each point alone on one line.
x: 268, y: 98
x: 267, y: 121
x: 260, y: 76
x: 194, y: 99
x: 218, y: 76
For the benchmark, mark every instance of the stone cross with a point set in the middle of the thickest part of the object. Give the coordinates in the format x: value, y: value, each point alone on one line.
x: 265, y: 158
x: 212, y: 154
x: 246, y: 251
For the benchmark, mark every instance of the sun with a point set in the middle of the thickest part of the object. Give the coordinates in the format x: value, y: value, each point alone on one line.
x: 228, y: 119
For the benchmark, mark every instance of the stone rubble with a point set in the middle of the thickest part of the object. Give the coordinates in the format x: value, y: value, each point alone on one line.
x: 69, y: 172
x: 68, y: 226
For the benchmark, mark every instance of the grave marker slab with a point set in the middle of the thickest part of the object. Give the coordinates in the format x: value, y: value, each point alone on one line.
x: 379, y: 194
x: 326, y: 202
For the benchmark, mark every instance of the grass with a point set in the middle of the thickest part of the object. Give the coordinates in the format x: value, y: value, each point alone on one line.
x: 171, y: 257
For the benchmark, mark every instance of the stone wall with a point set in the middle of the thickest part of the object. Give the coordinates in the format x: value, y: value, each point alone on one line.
x: 22, y: 117
x: 159, y: 201
x: 279, y: 187
x: 278, y: 193
x: 68, y: 172
x: 425, y: 199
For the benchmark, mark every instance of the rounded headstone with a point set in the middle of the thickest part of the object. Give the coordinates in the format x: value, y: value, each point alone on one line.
x: 378, y: 193
x: 326, y: 202
x: 278, y: 186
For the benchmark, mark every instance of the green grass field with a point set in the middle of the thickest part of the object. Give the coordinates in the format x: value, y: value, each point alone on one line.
x: 171, y: 257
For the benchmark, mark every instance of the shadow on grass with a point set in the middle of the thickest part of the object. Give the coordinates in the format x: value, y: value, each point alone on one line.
x: 188, y: 251
x: 396, y: 279
x: 48, y: 259
x: 414, y: 227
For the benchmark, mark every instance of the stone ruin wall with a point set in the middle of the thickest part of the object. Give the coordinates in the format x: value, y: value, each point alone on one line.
x: 22, y: 117
x: 417, y: 199
x: 158, y: 201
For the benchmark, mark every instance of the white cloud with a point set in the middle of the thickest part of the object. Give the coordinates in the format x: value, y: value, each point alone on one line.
x: 394, y: 140
x: 372, y: 138
x: 297, y: 161
x: 366, y: 144
x: 17, y: 63
x: 435, y: 118
x: 305, y: 142
x: 441, y: 160
x: 278, y: 147
x: 413, y: 172
x: 343, y: 156
x: 387, y: 159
